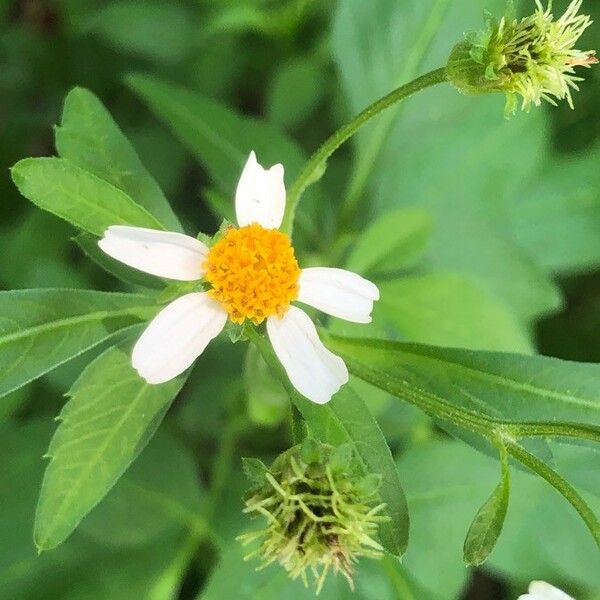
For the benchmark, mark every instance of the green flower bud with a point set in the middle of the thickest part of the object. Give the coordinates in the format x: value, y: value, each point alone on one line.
x: 321, y: 512
x: 533, y: 57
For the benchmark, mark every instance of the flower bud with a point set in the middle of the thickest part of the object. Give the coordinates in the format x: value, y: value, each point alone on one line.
x: 534, y: 57
x: 321, y: 512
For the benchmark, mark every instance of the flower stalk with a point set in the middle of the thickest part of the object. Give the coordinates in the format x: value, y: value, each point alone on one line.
x: 316, y: 164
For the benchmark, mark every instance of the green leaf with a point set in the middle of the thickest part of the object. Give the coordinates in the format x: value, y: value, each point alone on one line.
x: 346, y: 419
x: 159, y: 31
x: 160, y: 493
x: 69, y: 192
x: 487, y: 525
x: 394, y: 241
x: 109, y: 418
x: 219, y: 137
x: 450, y: 310
x: 555, y: 218
x: 485, y: 396
x: 526, y: 547
x: 42, y: 329
x: 89, y: 138
x: 509, y: 387
x: 89, y: 244
x: 254, y: 470
x: 300, y: 79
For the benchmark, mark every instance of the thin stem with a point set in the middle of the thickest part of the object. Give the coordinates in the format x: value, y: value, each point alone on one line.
x: 315, y: 166
x: 557, y: 482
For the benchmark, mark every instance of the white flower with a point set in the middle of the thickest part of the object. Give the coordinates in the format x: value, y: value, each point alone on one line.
x: 252, y: 274
x: 540, y: 590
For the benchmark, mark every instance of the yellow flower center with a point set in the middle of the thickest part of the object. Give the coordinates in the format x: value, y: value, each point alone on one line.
x: 253, y: 272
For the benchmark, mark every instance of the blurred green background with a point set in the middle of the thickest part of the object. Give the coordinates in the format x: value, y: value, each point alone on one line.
x: 501, y: 251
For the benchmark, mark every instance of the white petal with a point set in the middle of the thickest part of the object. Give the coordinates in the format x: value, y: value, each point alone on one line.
x: 161, y: 253
x: 540, y: 590
x: 313, y: 370
x: 177, y: 336
x: 260, y: 195
x: 339, y: 293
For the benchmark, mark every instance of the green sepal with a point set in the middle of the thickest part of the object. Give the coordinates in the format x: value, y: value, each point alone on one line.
x: 235, y: 332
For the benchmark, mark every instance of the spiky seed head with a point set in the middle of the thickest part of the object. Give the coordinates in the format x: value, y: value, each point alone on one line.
x: 533, y: 57
x: 321, y: 512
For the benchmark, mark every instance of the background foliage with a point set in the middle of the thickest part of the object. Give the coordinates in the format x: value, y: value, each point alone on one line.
x: 492, y: 242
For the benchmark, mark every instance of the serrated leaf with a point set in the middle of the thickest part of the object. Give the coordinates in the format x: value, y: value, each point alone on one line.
x: 487, y: 524
x: 77, y: 196
x: 89, y: 137
x: 109, y: 418
x: 159, y: 493
x: 42, y: 329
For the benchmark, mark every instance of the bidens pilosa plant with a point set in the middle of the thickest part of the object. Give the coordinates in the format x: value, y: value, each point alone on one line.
x: 335, y: 495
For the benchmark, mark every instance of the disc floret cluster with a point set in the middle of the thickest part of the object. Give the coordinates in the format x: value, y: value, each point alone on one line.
x: 322, y: 513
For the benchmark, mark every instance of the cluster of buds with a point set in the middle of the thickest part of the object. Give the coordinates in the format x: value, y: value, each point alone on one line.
x: 322, y: 513
x: 533, y: 57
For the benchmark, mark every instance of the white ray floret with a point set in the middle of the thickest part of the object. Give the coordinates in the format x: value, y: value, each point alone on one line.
x: 540, y: 590
x: 313, y: 370
x: 161, y: 253
x: 260, y: 195
x: 177, y: 336
x: 339, y: 293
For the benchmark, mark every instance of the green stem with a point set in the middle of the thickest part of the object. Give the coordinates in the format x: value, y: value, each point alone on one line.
x: 314, y: 168
x: 558, y: 483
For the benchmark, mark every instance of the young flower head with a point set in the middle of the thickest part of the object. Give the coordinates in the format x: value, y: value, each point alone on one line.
x: 534, y: 57
x: 321, y: 512
x: 540, y: 590
x: 250, y: 273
